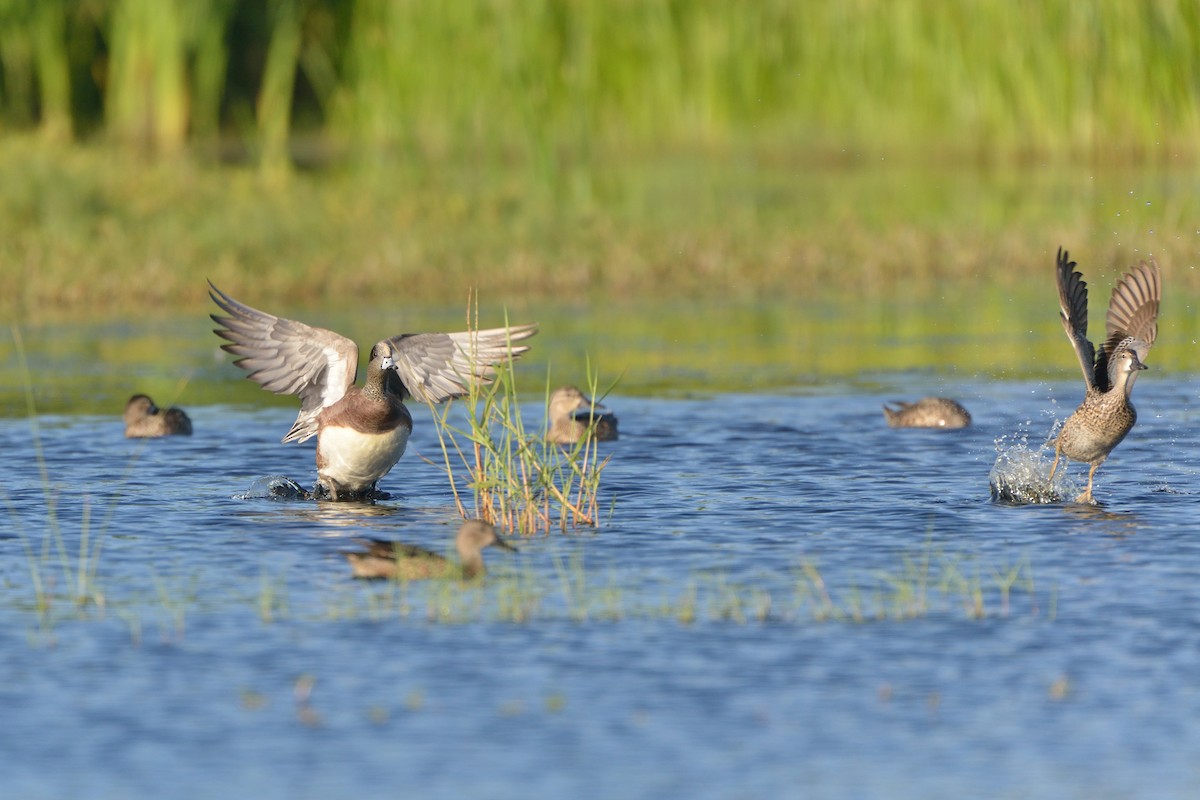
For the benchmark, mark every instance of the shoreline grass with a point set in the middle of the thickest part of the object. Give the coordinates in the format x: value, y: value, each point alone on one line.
x: 84, y: 234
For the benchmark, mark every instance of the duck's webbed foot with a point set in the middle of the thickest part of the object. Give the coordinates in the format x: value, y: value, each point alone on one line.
x: 335, y: 492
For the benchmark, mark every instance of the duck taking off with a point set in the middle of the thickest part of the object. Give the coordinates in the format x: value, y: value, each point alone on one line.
x: 361, y: 430
x: 1105, y: 416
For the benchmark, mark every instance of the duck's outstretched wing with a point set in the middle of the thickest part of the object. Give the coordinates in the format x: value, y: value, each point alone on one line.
x: 1072, y: 305
x: 438, y: 366
x: 288, y: 357
x: 1132, y: 321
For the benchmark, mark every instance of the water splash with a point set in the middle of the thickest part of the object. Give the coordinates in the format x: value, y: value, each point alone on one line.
x: 274, y: 487
x: 1021, y: 473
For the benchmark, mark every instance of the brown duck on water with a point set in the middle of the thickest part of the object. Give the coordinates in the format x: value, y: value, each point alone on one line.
x: 407, y: 562
x: 572, y: 414
x: 928, y: 412
x: 144, y: 420
x: 1106, y: 415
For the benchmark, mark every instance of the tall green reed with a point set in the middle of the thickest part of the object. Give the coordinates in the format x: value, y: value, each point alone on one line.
x: 146, y: 101
x: 274, y: 108
x: 553, y: 81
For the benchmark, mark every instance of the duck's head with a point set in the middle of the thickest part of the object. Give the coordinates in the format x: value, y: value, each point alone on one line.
x: 139, y: 407
x: 567, y: 400
x: 383, y: 359
x: 475, y: 534
x: 1123, y: 368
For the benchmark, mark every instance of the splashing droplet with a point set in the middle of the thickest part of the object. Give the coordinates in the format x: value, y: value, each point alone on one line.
x: 1021, y: 475
x: 273, y: 487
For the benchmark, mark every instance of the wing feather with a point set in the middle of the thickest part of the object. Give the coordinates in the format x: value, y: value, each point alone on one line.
x: 288, y: 357
x: 438, y: 366
x: 1072, y: 305
x: 1132, y: 320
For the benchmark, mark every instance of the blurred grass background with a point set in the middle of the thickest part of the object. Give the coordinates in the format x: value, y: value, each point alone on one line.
x: 549, y: 81
x: 860, y: 160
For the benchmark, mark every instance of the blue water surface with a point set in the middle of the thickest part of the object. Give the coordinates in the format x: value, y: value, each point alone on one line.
x: 784, y: 598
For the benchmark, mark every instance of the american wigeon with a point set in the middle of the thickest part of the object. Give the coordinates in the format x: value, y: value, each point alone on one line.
x: 407, y: 562
x: 361, y: 430
x: 144, y: 420
x: 928, y: 412
x: 572, y: 413
x: 1105, y: 415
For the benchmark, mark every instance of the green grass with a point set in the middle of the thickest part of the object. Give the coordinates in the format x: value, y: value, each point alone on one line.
x: 556, y: 82
x: 926, y: 582
x: 58, y: 577
x: 84, y: 232
x: 507, y: 475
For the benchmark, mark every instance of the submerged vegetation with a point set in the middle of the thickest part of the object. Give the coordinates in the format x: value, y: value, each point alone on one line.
x: 928, y: 582
x: 60, y: 573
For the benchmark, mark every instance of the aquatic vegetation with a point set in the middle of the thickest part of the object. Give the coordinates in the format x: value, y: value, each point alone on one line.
x: 925, y: 582
x: 47, y: 549
x: 929, y: 581
x: 516, y: 479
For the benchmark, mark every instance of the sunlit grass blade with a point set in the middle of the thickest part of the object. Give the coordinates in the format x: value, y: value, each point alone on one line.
x: 517, y: 480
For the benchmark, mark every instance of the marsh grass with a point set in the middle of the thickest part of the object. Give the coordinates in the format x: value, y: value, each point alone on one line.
x: 926, y: 582
x: 514, y: 478
x: 64, y: 565
x: 273, y: 597
x: 553, y: 83
x: 85, y: 236
x: 174, y: 597
x: 583, y: 596
x: 76, y: 570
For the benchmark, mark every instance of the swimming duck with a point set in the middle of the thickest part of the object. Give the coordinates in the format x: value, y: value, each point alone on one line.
x: 571, y: 412
x: 1105, y: 416
x: 928, y: 412
x: 361, y: 431
x: 144, y: 420
x: 407, y: 562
